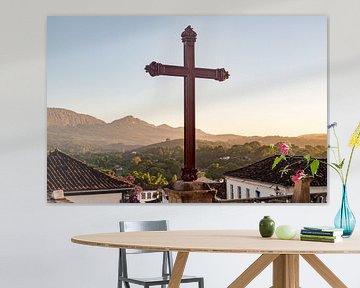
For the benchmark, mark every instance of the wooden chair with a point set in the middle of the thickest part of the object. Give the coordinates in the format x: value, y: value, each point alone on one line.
x: 167, y: 262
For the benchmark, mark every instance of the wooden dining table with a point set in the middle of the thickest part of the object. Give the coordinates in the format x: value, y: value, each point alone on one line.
x: 283, y: 254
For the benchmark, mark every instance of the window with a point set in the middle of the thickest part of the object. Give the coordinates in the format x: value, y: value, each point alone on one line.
x: 239, y: 192
x: 257, y: 193
x: 143, y: 195
x: 231, y: 191
x: 149, y: 195
x: 247, y: 193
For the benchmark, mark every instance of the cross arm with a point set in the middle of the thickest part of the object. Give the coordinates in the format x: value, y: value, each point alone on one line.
x: 217, y: 74
x: 156, y: 69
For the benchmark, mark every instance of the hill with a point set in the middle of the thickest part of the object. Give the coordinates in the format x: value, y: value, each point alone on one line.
x: 66, y: 118
x: 76, y: 132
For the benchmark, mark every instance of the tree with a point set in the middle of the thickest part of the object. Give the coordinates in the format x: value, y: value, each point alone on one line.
x: 136, y: 160
x: 215, y: 171
x: 147, y: 180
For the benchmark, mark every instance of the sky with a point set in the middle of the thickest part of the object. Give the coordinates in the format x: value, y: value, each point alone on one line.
x: 277, y: 66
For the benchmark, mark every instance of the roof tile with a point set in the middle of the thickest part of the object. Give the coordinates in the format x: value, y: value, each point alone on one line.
x: 69, y: 174
x: 261, y: 171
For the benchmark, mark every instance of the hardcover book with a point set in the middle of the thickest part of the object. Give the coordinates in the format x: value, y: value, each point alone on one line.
x: 329, y: 240
x: 336, y: 232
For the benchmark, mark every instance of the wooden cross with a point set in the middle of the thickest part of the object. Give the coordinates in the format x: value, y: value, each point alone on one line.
x: 189, y: 72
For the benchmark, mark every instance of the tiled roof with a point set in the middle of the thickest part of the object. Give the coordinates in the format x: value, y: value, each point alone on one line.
x: 71, y: 175
x: 261, y: 171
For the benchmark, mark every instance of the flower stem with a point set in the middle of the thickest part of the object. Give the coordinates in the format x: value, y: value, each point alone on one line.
x: 338, y: 146
x: 351, y: 155
x: 333, y: 152
x: 336, y: 169
x: 339, y: 155
x: 348, y: 166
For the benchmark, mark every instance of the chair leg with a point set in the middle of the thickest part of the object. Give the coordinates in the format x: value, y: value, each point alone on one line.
x: 126, y: 284
x: 201, y: 283
x: 120, y: 270
x: 165, y: 266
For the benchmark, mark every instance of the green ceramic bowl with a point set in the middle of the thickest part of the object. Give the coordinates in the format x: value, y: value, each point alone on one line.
x: 285, y: 232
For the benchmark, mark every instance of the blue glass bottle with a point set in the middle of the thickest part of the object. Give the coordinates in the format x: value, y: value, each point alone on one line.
x: 345, y: 219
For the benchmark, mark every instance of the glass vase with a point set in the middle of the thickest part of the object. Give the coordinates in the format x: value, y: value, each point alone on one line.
x: 345, y: 219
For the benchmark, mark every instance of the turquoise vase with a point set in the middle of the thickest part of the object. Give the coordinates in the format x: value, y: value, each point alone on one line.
x: 345, y: 219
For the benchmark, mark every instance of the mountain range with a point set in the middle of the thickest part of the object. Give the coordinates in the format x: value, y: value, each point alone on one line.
x: 72, y: 131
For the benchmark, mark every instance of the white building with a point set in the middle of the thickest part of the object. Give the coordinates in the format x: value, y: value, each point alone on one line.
x: 259, y: 180
x: 148, y: 196
x: 237, y: 188
x: 153, y: 196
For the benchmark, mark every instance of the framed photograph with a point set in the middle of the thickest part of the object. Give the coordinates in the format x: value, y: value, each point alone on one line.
x: 187, y: 109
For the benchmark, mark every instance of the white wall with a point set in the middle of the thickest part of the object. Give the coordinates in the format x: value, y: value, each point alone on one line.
x: 35, y: 248
x: 265, y: 189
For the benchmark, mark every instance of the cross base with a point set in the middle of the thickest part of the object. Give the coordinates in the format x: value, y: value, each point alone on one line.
x: 189, y: 174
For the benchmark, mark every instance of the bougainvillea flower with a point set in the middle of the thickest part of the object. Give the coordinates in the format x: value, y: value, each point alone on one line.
x: 298, y: 176
x: 355, y: 138
x: 130, y: 179
x: 284, y: 148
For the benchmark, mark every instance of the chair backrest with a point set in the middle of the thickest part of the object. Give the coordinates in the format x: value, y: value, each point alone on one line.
x: 137, y: 226
x: 134, y: 226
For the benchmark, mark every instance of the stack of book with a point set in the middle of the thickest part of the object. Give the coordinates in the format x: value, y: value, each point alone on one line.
x: 321, y: 234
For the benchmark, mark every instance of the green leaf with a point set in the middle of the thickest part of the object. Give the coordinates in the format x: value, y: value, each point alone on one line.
x: 314, y: 166
x: 307, y: 157
x: 333, y: 167
x: 277, y: 160
x: 339, y: 166
x: 342, y: 163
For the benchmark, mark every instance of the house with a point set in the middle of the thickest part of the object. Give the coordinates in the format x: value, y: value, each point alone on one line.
x: 70, y: 180
x: 148, y: 196
x: 259, y: 180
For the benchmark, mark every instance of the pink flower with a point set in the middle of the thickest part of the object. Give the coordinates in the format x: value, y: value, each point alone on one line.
x: 130, y: 179
x: 298, y: 176
x: 284, y: 148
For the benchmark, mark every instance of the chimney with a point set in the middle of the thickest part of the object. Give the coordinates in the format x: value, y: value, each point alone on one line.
x: 58, y: 195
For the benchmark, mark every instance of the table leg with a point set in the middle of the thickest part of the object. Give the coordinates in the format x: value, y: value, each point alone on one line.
x: 253, y: 270
x: 178, y: 270
x: 324, y: 271
x: 286, y: 271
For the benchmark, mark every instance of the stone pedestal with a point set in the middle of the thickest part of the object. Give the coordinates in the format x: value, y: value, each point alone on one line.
x: 302, y: 191
x: 190, y: 192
